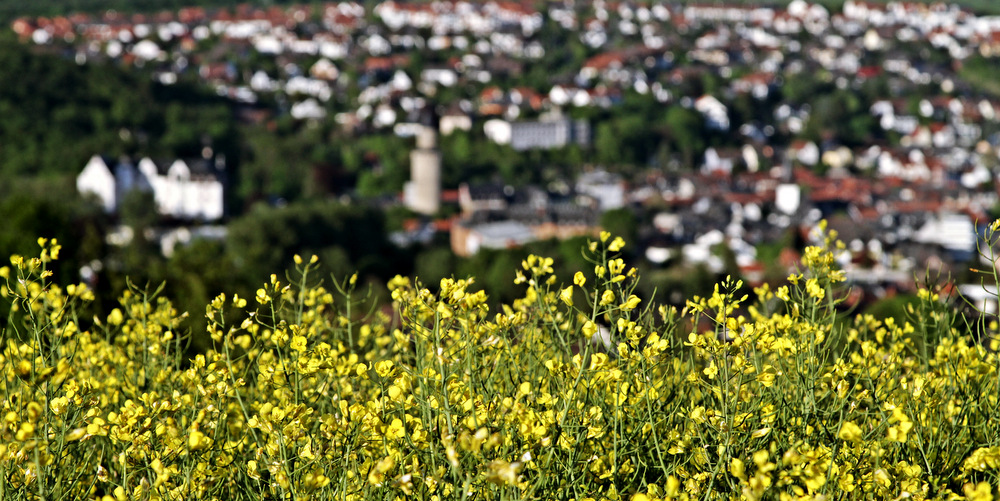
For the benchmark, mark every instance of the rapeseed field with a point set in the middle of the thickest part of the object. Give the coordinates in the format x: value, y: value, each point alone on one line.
x: 578, y: 390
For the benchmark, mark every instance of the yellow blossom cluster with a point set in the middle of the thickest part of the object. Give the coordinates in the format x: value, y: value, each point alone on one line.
x: 580, y: 389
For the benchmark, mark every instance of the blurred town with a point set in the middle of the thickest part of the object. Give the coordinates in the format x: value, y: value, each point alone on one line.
x: 881, y: 118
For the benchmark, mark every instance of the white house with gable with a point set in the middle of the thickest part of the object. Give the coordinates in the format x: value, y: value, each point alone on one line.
x: 191, y: 190
x: 98, y: 180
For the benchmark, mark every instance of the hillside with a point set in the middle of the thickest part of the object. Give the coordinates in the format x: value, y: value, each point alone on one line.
x: 56, y: 114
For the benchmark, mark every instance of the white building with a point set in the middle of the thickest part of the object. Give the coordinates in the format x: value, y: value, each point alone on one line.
x: 606, y: 188
x: 716, y: 114
x: 955, y: 232
x: 183, y: 190
x: 98, y: 180
x: 538, y: 134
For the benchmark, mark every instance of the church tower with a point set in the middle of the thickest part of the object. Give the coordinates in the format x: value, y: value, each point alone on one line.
x: 422, y: 193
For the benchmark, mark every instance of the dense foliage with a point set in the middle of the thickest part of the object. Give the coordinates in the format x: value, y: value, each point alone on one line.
x: 307, y: 393
x: 57, y: 114
x: 981, y: 74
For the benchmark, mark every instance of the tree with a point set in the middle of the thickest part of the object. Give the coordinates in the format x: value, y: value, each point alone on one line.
x: 138, y: 210
x: 843, y: 115
x: 434, y: 264
x: 51, y: 208
x: 265, y: 239
x: 685, y: 129
x: 621, y: 222
x: 55, y: 114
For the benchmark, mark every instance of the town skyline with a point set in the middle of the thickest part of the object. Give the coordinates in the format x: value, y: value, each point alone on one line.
x: 711, y: 126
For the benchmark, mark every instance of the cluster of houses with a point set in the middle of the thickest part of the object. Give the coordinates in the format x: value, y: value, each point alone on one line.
x: 496, y: 216
x: 637, y: 45
x: 188, y: 196
x: 893, y: 230
x: 185, y: 190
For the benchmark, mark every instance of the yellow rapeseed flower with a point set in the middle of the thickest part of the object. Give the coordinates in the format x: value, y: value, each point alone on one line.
x: 566, y: 295
x: 898, y: 433
x: 502, y: 472
x: 631, y: 302
x: 384, y: 368
x: 737, y: 469
x: 850, y: 432
x: 766, y: 376
x: 298, y: 343
x: 616, y: 244
x: 197, y: 440
x: 813, y: 289
x: 239, y: 302
x: 395, y: 429
x: 978, y: 492
x: 115, y: 317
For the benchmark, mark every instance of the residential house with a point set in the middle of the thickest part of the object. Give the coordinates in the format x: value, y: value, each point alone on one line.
x: 759, y: 85
x: 716, y: 114
x: 526, y: 135
x: 562, y: 95
x: 497, y: 217
x: 98, y: 180
x: 310, y: 109
x: 187, y: 190
x: 606, y: 188
x: 540, y: 134
x: 483, y: 198
x: 956, y: 233
x: 454, y: 118
x: 720, y: 161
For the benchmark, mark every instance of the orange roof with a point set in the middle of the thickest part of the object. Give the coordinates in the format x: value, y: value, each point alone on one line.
x: 449, y: 196
x: 22, y: 26
x: 443, y: 225
x: 492, y: 93
x: 385, y: 63
x: 191, y: 14
x: 516, y: 7
x: 605, y: 60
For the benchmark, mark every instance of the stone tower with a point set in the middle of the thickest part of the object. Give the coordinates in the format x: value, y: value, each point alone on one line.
x: 422, y: 193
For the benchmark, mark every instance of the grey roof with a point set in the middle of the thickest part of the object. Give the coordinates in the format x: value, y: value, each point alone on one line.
x: 501, y: 234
